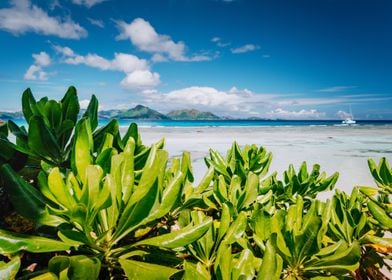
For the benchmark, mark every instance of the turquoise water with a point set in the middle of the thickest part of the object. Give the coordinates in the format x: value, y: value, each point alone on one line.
x: 241, y: 123
x: 234, y: 123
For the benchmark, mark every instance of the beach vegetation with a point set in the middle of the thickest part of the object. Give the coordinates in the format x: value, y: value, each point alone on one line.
x: 94, y: 204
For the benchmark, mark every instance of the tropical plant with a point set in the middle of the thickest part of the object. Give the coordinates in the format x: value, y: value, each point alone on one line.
x: 298, y: 238
x: 109, y: 220
x: 306, y: 184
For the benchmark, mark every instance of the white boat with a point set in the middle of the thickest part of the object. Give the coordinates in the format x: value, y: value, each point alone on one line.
x: 349, y: 120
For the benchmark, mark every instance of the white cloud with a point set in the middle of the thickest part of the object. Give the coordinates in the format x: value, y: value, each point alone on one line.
x: 137, y: 71
x: 87, y: 3
x: 35, y: 71
x: 24, y: 17
x: 84, y: 103
x: 140, y: 79
x: 336, y: 89
x: 64, y: 50
x: 96, y: 22
x: 343, y: 115
x: 143, y: 35
x: 42, y: 59
x: 303, y: 114
x: 121, y: 62
x: 245, y: 48
x: 218, y: 41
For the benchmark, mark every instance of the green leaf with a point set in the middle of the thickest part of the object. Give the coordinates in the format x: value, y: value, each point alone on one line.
x: 127, y: 170
x: 70, y: 105
x: 53, y: 113
x: 28, y: 104
x: 237, y: 229
x: 244, y: 268
x: 26, y: 199
x: 10, y: 269
x: 145, y: 271
x: 250, y: 192
x: 345, y: 259
x: 42, y: 141
x: 132, y: 132
x: 224, y: 222
x: 197, y: 271
x: 91, y: 112
x: 75, y: 267
x: 272, y: 265
x: 84, y: 267
x: 179, y: 238
x: 99, y: 136
x: 12, y: 243
x: 82, y: 149
x: 59, y: 189
x: 223, y: 263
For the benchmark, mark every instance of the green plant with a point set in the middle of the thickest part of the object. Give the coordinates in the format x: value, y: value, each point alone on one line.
x: 304, y: 183
x: 298, y: 238
x: 110, y: 219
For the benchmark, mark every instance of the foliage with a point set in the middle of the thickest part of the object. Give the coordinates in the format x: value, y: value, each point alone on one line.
x: 105, y: 206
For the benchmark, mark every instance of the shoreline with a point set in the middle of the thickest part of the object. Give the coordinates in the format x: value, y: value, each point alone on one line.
x: 335, y: 148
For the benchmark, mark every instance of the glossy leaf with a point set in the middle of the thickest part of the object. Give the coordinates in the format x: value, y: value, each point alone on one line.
x: 91, y: 112
x: 179, y: 238
x: 82, y: 149
x: 26, y: 199
x: 140, y: 270
x: 272, y: 265
x: 42, y: 141
x: 12, y: 243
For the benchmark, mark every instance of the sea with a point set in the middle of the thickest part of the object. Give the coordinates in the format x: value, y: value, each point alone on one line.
x: 245, y: 123
x: 233, y: 123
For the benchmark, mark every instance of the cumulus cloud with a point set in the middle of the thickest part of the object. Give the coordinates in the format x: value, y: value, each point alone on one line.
x: 144, y: 36
x: 87, y: 3
x: 137, y: 71
x: 24, y: 17
x: 303, y: 114
x: 245, y: 48
x: 140, y: 79
x: 35, y: 71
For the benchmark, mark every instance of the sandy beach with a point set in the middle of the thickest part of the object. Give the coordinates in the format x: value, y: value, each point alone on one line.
x: 342, y: 149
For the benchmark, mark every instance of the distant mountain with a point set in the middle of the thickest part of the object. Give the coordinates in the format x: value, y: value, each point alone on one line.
x: 11, y: 115
x: 139, y: 112
x: 192, y: 115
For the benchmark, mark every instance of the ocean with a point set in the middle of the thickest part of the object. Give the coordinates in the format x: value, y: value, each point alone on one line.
x: 244, y: 123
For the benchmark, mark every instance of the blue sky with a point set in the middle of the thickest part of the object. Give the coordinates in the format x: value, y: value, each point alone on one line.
x: 300, y: 59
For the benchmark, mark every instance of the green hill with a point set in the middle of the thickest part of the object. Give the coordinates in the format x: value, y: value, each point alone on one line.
x: 139, y: 112
x: 192, y: 114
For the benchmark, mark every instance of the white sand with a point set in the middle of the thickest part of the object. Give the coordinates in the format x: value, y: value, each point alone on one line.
x: 342, y: 149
